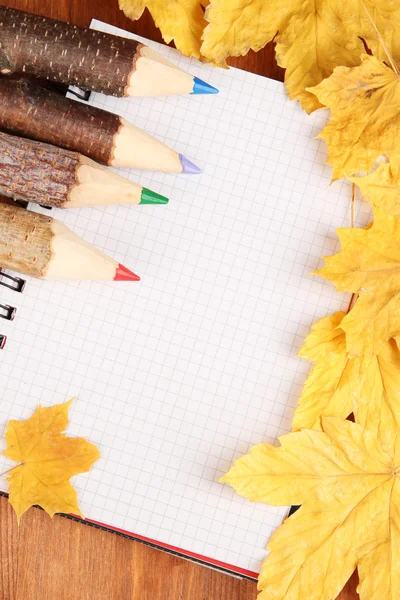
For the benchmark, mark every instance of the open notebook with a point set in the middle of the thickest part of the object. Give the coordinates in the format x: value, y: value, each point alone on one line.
x: 178, y: 375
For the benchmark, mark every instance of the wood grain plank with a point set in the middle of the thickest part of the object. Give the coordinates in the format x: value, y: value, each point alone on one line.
x: 9, y: 551
x: 62, y: 560
x: 349, y: 591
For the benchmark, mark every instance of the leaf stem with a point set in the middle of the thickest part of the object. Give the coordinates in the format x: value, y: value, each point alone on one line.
x: 352, y: 224
x: 8, y: 470
x: 380, y: 39
x: 350, y: 303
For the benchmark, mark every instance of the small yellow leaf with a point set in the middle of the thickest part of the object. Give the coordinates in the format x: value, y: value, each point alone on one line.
x: 369, y: 265
x: 48, y: 459
x: 350, y: 494
x: 179, y: 20
x: 312, y: 36
x: 337, y: 386
x: 382, y: 187
x: 365, y: 116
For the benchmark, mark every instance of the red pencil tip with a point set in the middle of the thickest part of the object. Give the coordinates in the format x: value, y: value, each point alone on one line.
x: 124, y: 274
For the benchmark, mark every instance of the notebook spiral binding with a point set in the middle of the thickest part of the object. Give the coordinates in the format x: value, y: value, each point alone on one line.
x: 7, y: 312
x: 17, y: 284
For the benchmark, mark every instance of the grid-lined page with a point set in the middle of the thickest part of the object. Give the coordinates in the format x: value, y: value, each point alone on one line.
x: 180, y: 374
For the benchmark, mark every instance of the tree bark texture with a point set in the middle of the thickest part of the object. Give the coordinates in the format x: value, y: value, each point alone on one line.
x: 32, y: 111
x: 65, y: 53
x: 25, y: 239
x: 36, y: 172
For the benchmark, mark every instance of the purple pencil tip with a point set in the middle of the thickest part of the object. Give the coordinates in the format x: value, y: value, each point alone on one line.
x: 188, y: 167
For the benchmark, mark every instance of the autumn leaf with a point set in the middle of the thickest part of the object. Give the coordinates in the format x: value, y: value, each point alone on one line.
x: 369, y: 265
x: 382, y: 187
x: 365, y: 116
x: 337, y: 386
x: 48, y: 459
x: 349, y: 490
x: 312, y: 36
x: 179, y: 20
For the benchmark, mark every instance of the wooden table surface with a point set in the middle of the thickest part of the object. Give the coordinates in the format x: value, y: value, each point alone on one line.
x: 60, y: 559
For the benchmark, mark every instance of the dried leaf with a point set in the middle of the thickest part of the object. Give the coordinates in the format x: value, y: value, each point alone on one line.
x: 365, y: 116
x: 312, y: 37
x: 179, y: 20
x: 349, y: 490
x: 369, y: 265
x: 48, y: 459
x: 337, y: 386
x: 382, y: 187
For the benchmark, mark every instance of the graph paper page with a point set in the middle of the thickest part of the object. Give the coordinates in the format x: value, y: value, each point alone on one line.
x: 177, y: 376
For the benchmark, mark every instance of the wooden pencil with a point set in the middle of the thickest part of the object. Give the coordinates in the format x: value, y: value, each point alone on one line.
x: 42, y: 247
x: 32, y: 111
x: 87, y: 58
x: 51, y: 176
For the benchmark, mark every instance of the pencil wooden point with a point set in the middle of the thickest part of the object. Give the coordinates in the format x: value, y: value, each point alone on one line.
x: 42, y: 173
x: 42, y: 247
x: 29, y: 110
x: 134, y: 148
x: 90, y: 59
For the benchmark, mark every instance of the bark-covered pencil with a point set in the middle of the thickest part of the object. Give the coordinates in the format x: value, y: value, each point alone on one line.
x: 30, y: 110
x: 87, y: 58
x: 42, y: 247
x: 45, y: 174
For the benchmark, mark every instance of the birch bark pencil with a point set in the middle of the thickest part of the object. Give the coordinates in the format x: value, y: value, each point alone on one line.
x: 42, y: 247
x: 32, y: 111
x: 36, y: 172
x: 87, y: 58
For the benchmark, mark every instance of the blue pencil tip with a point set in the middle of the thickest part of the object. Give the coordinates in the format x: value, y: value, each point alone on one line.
x: 188, y: 167
x: 201, y: 87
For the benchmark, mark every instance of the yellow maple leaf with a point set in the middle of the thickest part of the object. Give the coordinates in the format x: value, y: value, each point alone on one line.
x: 312, y: 36
x: 337, y: 386
x: 365, y: 116
x: 369, y: 265
x: 349, y: 489
x: 48, y: 459
x: 382, y: 187
x: 179, y: 20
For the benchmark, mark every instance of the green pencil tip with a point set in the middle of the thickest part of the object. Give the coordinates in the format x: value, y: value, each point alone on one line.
x: 149, y: 197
